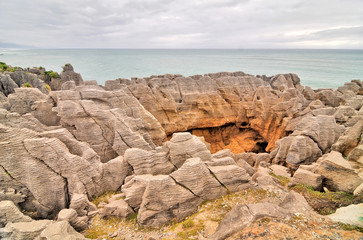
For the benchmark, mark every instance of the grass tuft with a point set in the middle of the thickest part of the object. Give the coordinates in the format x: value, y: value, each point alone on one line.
x: 325, y: 202
x: 283, y: 181
x: 104, y: 197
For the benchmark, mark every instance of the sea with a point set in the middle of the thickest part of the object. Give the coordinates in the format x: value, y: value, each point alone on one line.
x: 316, y: 68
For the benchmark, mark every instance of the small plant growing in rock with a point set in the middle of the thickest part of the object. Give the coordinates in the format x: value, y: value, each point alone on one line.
x: 52, y: 74
x: 3, y: 67
x: 47, y: 87
x: 27, y: 85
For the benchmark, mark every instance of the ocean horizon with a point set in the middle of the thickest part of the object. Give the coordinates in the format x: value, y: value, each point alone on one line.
x: 318, y: 68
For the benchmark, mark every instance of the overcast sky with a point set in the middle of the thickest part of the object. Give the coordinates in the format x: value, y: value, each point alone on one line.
x: 182, y: 23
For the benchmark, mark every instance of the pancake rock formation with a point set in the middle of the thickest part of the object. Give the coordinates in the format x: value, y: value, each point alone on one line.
x: 168, y: 143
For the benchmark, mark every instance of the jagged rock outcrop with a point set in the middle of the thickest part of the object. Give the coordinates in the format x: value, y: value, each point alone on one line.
x: 9, y: 213
x: 59, y: 150
x: 241, y: 216
x: 7, y: 85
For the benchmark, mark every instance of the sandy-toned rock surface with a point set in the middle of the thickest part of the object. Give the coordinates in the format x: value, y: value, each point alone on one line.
x: 170, y: 143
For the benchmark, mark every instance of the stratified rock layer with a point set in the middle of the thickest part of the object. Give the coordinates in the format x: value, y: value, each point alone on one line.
x: 60, y: 149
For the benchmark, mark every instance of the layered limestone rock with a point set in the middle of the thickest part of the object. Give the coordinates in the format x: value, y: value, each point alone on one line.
x: 60, y: 150
x: 225, y: 108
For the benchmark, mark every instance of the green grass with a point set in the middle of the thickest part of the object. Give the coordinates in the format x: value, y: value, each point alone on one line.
x: 190, y: 228
x: 348, y: 227
x: 103, y: 198
x: 47, y: 87
x: 325, y: 202
x: 3, y: 66
x: 27, y: 85
x: 52, y: 74
x: 283, y: 181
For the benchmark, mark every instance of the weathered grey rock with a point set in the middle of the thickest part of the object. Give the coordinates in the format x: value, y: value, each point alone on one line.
x: 306, y: 177
x: 165, y: 200
x: 60, y: 231
x: 184, y: 146
x: 355, y: 102
x: 309, y: 93
x: 47, y: 191
x: 263, y: 178
x: 70, y: 215
x: 134, y: 189
x: 324, y: 111
x: 23, y: 230
x: 249, y: 157
x: 243, y: 215
x: 322, y: 129
x: 195, y: 176
x: 337, y: 158
x: 233, y: 177
x: 9, y: 213
x: 9, y: 194
x: 337, y: 177
x: 262, y: 159
x: 351, y: 214
x: 222, y: 154
x: 295, y: 150
x: 349, y: 139
x: 149, y: 162
x: 97, y: 119
x: 243, y: 164
x: 23, y: 99
x: 7, y: 85
x: 80, y: 203
x: 343, y: 113
x: 356, y: 154
x: 280, y: 170
x: 69, y: 85
x: 68, y: 74
x: 296, y: 204
x: 21, y: 77
x: 112, y: 85
x: 118, y: 208
x: 90, y: 83
x: 328, y: 97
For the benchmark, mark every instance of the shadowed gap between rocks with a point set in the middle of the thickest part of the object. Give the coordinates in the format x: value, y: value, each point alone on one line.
x: 238, y: 138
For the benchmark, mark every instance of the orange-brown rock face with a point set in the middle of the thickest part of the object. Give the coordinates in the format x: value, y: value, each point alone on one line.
x: 205, y: 104
x: 237, y: 139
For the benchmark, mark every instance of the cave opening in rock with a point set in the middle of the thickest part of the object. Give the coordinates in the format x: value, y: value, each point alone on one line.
x: 238, y: 138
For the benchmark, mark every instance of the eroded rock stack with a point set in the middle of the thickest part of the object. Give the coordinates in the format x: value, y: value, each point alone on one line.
x: 60, y: 149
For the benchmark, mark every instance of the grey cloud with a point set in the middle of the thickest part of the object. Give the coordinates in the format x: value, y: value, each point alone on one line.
x: 181, y: 23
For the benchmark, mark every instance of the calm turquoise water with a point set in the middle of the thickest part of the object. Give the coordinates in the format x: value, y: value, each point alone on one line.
x: 316, y: 68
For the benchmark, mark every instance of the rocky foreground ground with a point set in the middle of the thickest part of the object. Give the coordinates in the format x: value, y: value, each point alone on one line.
x: 218, y: 156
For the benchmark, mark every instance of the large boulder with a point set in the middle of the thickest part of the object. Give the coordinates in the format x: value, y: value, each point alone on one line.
x: 184, y: 146
x: 243, y: 215
x: 149, y: 162
x: 164, y: 200
x: 233, y: 177
x: 60, y: 231
x: 68, y: 74
x: 195, y: 176
x: 118, y: 208
x: 337, y: 177
x: 296, y: 150
x: 350, y: 139
x: 7, y: 85
x: 302, y: 176
x: 24, y: 230
x: 134, y: 189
